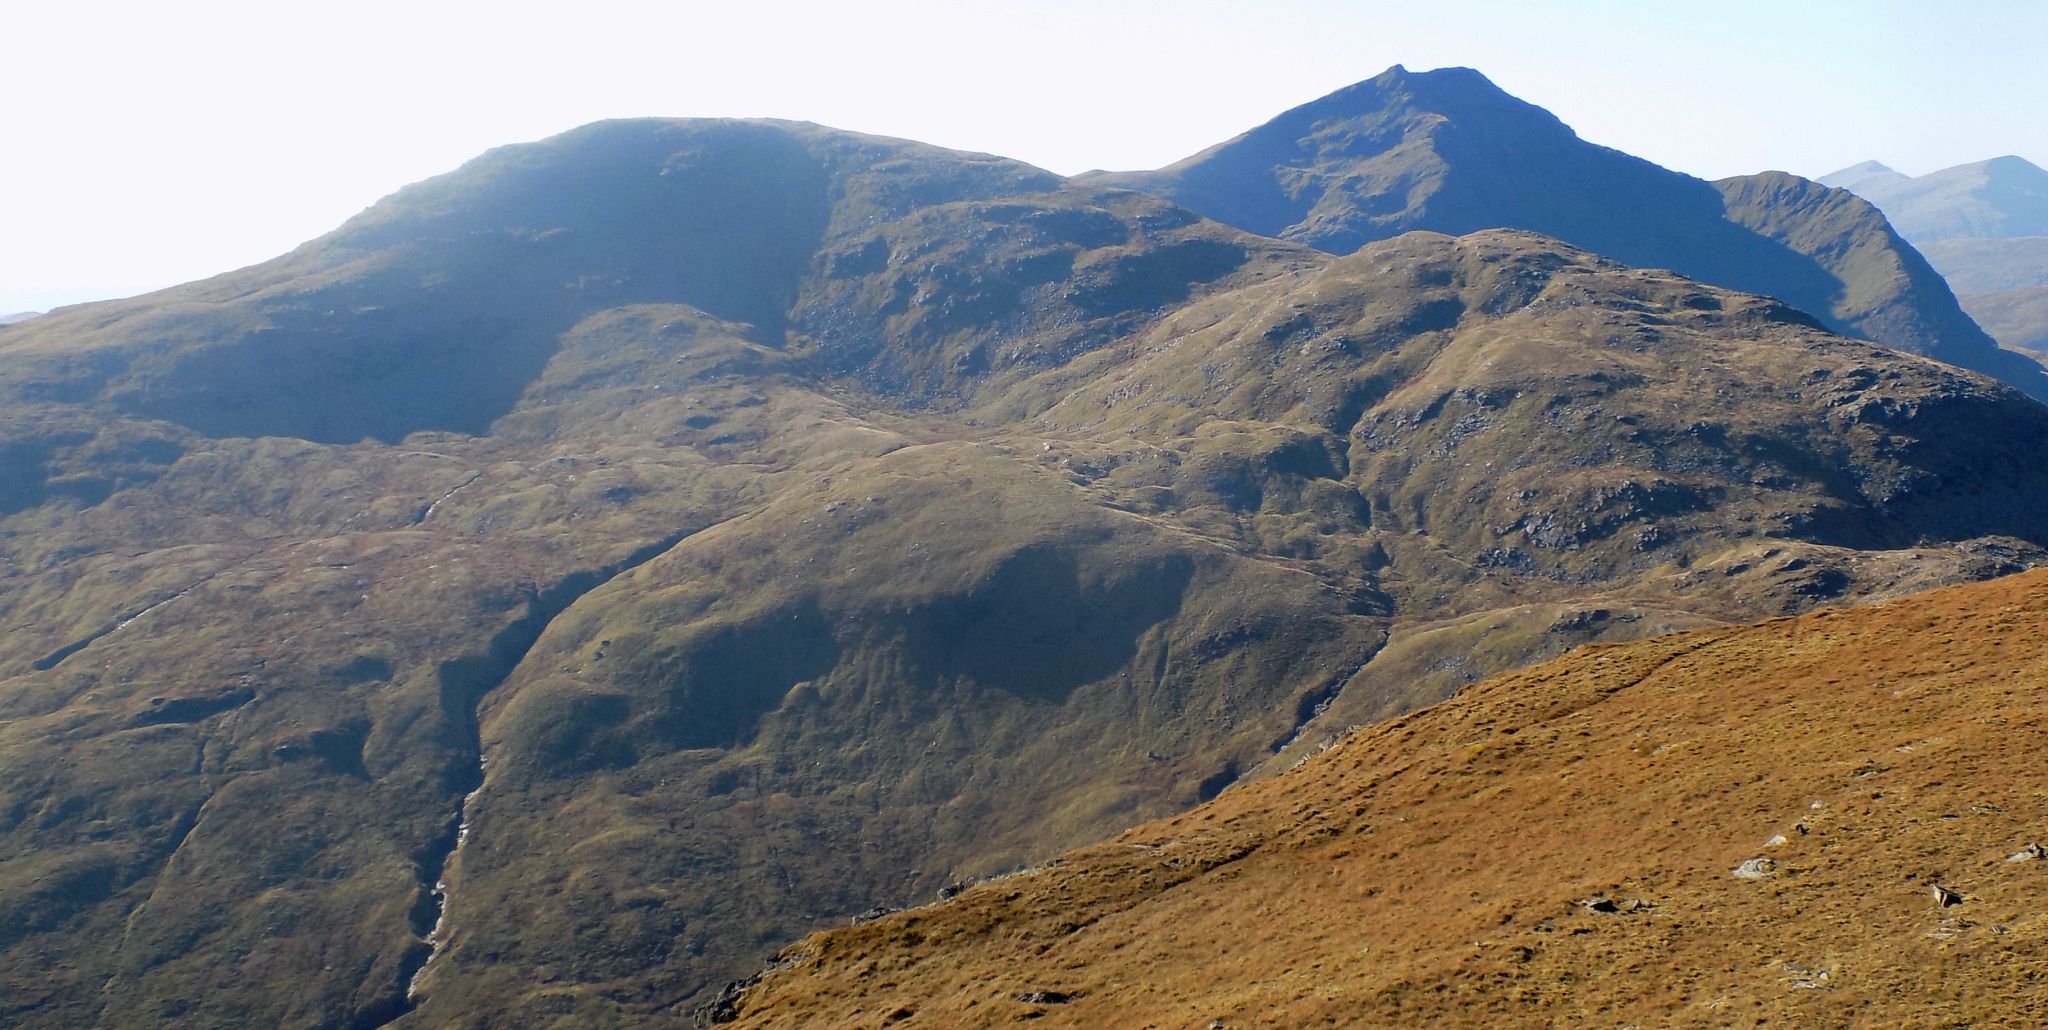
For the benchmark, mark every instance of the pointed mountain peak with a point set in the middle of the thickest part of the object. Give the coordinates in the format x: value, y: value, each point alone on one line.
x: 1449, y: 74
x: 1380, y: 149
x: 1449, y: 151
x: 1998, y: 197
x: 1440, y: 90
x: 1865, y: 178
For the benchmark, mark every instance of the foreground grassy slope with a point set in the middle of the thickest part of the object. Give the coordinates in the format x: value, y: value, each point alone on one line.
x: 1825, y: 820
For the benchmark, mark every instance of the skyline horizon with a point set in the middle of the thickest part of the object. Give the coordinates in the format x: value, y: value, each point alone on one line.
x: 7, y: 311
x: 189, y: 143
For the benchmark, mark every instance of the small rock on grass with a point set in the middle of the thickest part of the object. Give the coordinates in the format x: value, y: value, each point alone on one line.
x: 1754, y: 869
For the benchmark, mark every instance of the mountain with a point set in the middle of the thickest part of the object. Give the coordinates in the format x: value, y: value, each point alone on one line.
x: 1984, y: 226
x: 1447, y: 151
x: 19, y: 316
x: 2001, y: 197
x: 1830, y: 820
x: 1866, y: 180
x: 583, y: 573
x: 281, y: 549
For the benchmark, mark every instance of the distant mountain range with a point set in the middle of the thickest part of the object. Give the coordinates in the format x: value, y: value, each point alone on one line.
x: 2002, y: 197
x: 1984, y: 226
x: 552, y: 592
x: 19, y: 316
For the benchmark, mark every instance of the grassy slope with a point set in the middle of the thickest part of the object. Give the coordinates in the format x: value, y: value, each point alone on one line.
x: 1896, y: 294
x: 1463, y: 421
x: 849, y: 699
x: 1981, y: 225
x: 1437, y: 869
x: 297, y: 721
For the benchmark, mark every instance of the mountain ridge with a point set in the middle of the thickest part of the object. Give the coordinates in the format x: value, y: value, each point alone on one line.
x: 1997, y: 197
x: 1448, y: 151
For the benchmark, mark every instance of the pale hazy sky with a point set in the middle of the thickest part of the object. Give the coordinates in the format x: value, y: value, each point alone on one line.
x: 146, y: 144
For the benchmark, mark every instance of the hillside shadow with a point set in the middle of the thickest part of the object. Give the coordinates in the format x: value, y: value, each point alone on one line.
x: 460, y: 288
x: 1042, y: 624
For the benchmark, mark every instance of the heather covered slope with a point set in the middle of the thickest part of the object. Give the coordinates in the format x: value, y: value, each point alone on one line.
x: 1447, y: 151
x: 466, y: 618
x: 1514, y: 442
x: 1827, y: 820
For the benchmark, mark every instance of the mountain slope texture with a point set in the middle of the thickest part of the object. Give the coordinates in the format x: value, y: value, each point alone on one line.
x: 1830, y: 820
x: 1448, y: 151
x: 582, y: 574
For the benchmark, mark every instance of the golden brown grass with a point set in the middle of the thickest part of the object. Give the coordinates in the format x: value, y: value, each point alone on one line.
x: 1437, y: 869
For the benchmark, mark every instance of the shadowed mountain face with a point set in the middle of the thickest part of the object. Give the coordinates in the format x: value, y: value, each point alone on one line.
x: 1824, y: 821
x: 546, y: 596
x: 1447, y: 151
x: 1984, y: 226
x: 437, y: 307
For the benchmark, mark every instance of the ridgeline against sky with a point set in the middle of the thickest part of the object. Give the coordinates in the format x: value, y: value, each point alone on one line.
x: 149, y: 145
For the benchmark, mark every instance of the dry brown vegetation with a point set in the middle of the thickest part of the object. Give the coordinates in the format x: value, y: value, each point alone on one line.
x: 1821, y: 821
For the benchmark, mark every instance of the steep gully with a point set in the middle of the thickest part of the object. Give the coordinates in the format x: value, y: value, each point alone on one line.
x: 465, y: 683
